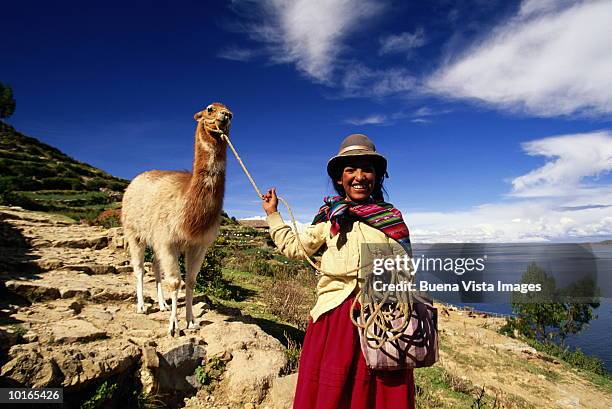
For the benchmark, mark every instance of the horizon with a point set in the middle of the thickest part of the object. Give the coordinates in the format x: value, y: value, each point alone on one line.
x: 494, y: 116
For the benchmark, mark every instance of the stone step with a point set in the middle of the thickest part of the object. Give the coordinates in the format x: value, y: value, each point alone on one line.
x: 70, y: 284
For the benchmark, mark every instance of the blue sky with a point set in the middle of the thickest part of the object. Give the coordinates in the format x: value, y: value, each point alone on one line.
x: 494, y: 115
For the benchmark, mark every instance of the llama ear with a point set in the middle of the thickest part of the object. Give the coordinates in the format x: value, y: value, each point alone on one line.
x: 197, y: 116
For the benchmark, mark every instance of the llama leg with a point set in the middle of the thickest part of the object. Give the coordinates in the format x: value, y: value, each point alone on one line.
x: 168, y: 260
x: 194, y: 257
x: 137, y: 251
x: 158, y: 281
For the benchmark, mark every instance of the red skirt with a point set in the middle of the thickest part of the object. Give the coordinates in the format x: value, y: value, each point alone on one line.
x: 333, y: 373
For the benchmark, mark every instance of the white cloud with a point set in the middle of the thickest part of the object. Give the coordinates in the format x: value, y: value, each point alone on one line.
x: 550, y: 203
x: 401, y: 43
x: 237, y: 54
x: 375, y: 119
x: 254, y: 218
x: 361, y: 81
x: 310, y: 33
x: 574, y: 158
x: 552, y: 58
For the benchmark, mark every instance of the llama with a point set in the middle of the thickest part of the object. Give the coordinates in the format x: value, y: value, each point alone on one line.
x: 178, y: 213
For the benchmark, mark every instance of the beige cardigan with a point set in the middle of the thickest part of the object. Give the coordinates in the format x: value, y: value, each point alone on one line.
x: 331, y: 290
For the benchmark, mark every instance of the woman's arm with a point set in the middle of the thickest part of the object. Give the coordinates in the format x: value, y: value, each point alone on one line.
x: 285, y: 238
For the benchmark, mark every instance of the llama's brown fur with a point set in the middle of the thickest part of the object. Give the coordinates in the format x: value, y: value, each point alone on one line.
x: 179, y: 212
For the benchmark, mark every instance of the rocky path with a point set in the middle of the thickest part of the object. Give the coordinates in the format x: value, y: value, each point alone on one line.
x: 68, y: 319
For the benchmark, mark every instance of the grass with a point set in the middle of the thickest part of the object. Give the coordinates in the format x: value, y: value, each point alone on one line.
x: 19, y: 330
x: 39, y: 177
x: 292, y: 353
x: 436, y: 388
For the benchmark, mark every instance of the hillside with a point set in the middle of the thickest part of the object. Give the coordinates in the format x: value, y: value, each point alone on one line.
x: 37, y: 176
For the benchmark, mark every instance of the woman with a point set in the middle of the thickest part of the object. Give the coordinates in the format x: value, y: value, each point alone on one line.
x: 332, y: 371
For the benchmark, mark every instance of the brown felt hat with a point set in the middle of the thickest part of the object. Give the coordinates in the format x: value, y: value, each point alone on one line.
x: 353, y: 146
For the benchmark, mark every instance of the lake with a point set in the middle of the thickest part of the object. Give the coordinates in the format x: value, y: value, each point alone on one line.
x: 566, y: 262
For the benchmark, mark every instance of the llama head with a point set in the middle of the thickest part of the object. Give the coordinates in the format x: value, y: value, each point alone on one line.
x: 213, y: 121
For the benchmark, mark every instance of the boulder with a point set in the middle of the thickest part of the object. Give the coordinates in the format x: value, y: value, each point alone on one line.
x: 30, y: 369
x: 31, y: 365
x: 250, y: 374
x: 257, y: 358
x: 176, y: 367
x: 283, y: 391
x: 228, y: 336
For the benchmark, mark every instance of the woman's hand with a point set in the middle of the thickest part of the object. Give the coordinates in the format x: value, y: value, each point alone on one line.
x: 270, y: 201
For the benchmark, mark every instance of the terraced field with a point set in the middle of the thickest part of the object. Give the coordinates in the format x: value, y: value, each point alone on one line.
x: 37, y: 176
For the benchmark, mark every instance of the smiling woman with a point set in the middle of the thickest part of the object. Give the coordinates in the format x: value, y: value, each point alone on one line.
x: 333, y: 372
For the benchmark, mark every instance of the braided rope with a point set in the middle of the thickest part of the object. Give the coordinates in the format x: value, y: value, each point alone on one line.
x: 377, y: 316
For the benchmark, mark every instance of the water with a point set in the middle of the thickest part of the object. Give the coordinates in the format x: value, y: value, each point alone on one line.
x: 508, y: 261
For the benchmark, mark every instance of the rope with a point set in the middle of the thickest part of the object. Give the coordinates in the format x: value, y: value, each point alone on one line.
x: 377, y: 317
x: 282, y: 200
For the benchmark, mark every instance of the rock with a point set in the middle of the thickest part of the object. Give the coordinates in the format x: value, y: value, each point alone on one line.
x: 99, y: 315
x: 31, y: 369
x: 83, y: 242
x: 74, y: 292
x: 116, y: 239
x: 200, y: 309
x: 82, y: 366
x: 150, y: 357
x: 49, y: 263
x: 257, y: 358
x: 75, y: 330
x: 224, y: 336
x: 92, y: 269
x: 283, y: 391
x: 250, y: 373
x: 76, y: 307
x: 113, y: 309
x: 177, y: 366
x: 124, y: 269
x: 33, y: 291
x: 67, y: 366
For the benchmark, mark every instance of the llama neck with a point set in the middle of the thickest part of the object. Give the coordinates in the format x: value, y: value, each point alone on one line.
x: 204, y: 196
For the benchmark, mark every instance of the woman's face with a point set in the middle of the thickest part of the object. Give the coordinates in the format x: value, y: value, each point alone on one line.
x: 358, y: 180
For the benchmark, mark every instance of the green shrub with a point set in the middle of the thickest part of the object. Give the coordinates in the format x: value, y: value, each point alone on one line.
x: 103, y: 394
x: 18, y: 199
x: 261, y: 267
x: 210, y: 373
x: 116, y: 185
x: 95, y: 183
x: 575, y: 358
x: 17, y: 183
x: 58, y: 183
